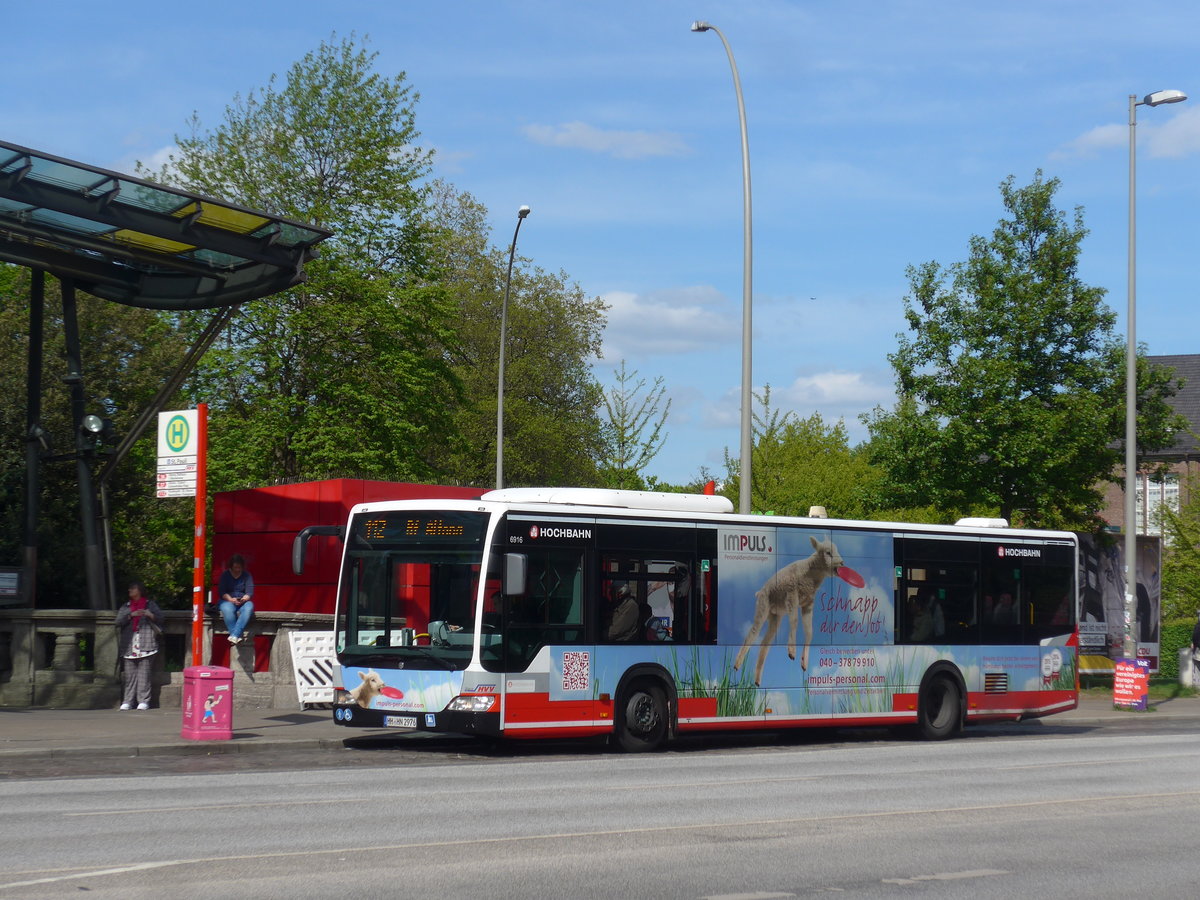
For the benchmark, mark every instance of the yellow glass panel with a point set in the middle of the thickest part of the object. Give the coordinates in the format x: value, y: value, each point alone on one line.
x: 150, y: 242
x: 223, y: 217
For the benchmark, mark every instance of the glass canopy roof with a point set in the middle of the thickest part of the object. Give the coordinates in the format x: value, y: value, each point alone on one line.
x: 143, y: 244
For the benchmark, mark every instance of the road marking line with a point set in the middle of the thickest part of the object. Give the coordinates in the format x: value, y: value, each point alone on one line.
x: 248, y: 805
x: 138, y: 867
x: 607, y: 832
x: 947, y: 876
x: 1074, y: 764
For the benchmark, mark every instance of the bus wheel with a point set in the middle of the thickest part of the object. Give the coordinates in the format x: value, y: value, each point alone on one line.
x: 940, y: 710
x: 642, y: 718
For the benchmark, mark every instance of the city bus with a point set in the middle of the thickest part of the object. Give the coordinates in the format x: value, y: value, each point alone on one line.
x: 570, y: 612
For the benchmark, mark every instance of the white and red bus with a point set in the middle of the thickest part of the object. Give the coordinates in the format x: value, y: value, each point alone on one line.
x: 556, y: 612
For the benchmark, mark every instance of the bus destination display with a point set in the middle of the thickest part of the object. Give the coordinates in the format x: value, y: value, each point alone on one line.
x: 419, y: 526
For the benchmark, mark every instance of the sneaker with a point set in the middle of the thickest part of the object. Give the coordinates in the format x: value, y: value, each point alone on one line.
x: 143, y: 706
x: 126, y: 706
x: 234, y: 640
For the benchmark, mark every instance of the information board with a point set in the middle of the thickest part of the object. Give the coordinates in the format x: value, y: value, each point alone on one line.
x: 178, y: 454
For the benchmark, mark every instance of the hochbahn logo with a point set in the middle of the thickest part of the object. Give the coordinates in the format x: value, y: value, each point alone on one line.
x: 536, y: 532
x: 1030, y: 552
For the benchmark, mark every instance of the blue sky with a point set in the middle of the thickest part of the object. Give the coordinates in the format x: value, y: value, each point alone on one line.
x: 879, y: 133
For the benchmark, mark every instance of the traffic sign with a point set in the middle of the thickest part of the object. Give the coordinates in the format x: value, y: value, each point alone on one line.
x: 178, y: 453
x: 177, y: 433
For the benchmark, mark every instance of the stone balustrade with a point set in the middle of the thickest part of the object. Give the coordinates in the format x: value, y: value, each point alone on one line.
x: 67, y: 658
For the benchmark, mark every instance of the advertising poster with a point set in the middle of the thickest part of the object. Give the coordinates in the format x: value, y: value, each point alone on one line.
x: 403, y: 690
x: 805, y: 628
x: 1102, y: 601
x: 1131, y: 683
x: 807, y: 625
x: 812, y: 619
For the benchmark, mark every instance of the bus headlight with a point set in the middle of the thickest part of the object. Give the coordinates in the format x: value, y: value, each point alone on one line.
x: 471, y: 703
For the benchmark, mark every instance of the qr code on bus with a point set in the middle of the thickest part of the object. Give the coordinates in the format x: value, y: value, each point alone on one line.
x: 576, y: 670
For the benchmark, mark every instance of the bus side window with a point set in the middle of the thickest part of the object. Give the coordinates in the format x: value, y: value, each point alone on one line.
x: 707, y: 607
x: 550, y: 610
x: 682, y: 601
x: 704, y: 589
x: 645, y: 598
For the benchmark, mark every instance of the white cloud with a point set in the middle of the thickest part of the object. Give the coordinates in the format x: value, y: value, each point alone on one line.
x: 1102, y: 137
x: 838, y: 389
x: 619, y: 144
x: 724, y: 414
x: 449, y: 162
x: 1177, y: 136
x: 666, y: 323
x: 1171, y: 137
x: 153, y: 163
x: 836, y: 395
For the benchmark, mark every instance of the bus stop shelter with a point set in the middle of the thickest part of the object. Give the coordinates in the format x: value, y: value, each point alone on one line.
x: 135, y: 242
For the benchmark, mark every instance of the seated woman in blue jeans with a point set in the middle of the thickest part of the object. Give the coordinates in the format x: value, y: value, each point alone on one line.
x: 236, y: 588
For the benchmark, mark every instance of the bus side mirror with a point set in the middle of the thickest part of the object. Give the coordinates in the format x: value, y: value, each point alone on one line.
x: 516, y: 568
x: 300, y: 543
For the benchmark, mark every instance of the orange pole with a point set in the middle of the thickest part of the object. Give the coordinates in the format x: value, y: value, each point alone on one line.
x: 198, y: 545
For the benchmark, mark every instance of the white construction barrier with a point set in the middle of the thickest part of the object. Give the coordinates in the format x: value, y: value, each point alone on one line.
x: 313, y: 660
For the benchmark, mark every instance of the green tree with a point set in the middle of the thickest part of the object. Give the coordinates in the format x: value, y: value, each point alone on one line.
x: 125, y: 353
x: 551, y: 398
x: 1010, y: 387
x: 348, y: 373
x: 634, y: 418
x: 804, y: 462
x: 1181, y: 555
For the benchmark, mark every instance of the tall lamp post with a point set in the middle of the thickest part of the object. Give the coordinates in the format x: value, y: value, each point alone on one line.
x: 521, y: 214
x: 1158, y: 98
x: 747, y: 445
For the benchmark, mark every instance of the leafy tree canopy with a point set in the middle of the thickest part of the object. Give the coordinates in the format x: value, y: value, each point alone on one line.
x: 803, y: 462
x: 1011, y: 383
x: 634, y: 420
x: 347, y: 373
x: 551, y: 398
x: 1181, y: 555
x: 126, y: 353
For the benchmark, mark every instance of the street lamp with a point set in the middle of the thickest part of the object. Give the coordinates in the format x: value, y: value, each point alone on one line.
x: 521, y: 214
x: 747, y: 447
x: 1158, y: 98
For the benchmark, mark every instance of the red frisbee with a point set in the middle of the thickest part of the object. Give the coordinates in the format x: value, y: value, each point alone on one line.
x: 394, y: 693
x: 851, y: 577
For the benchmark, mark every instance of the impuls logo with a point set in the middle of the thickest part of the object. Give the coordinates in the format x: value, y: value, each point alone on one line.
x: 747, y: 543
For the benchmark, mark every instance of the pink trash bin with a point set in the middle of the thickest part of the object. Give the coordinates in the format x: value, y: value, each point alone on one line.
x: 207, y: 703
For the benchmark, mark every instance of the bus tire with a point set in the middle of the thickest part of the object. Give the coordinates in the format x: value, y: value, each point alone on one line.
x: 939, y: 711
x: 642, y: 721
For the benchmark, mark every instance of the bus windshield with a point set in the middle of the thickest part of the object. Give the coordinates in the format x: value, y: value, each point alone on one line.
x: 409, y: 587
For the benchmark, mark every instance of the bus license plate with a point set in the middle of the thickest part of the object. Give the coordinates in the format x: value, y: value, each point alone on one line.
x: 400, y: 721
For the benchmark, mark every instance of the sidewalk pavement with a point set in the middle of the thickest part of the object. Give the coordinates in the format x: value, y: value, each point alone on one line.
x: 63, y: 733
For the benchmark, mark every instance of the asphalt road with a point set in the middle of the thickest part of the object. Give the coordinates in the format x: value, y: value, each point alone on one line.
x: 1055, y: 811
